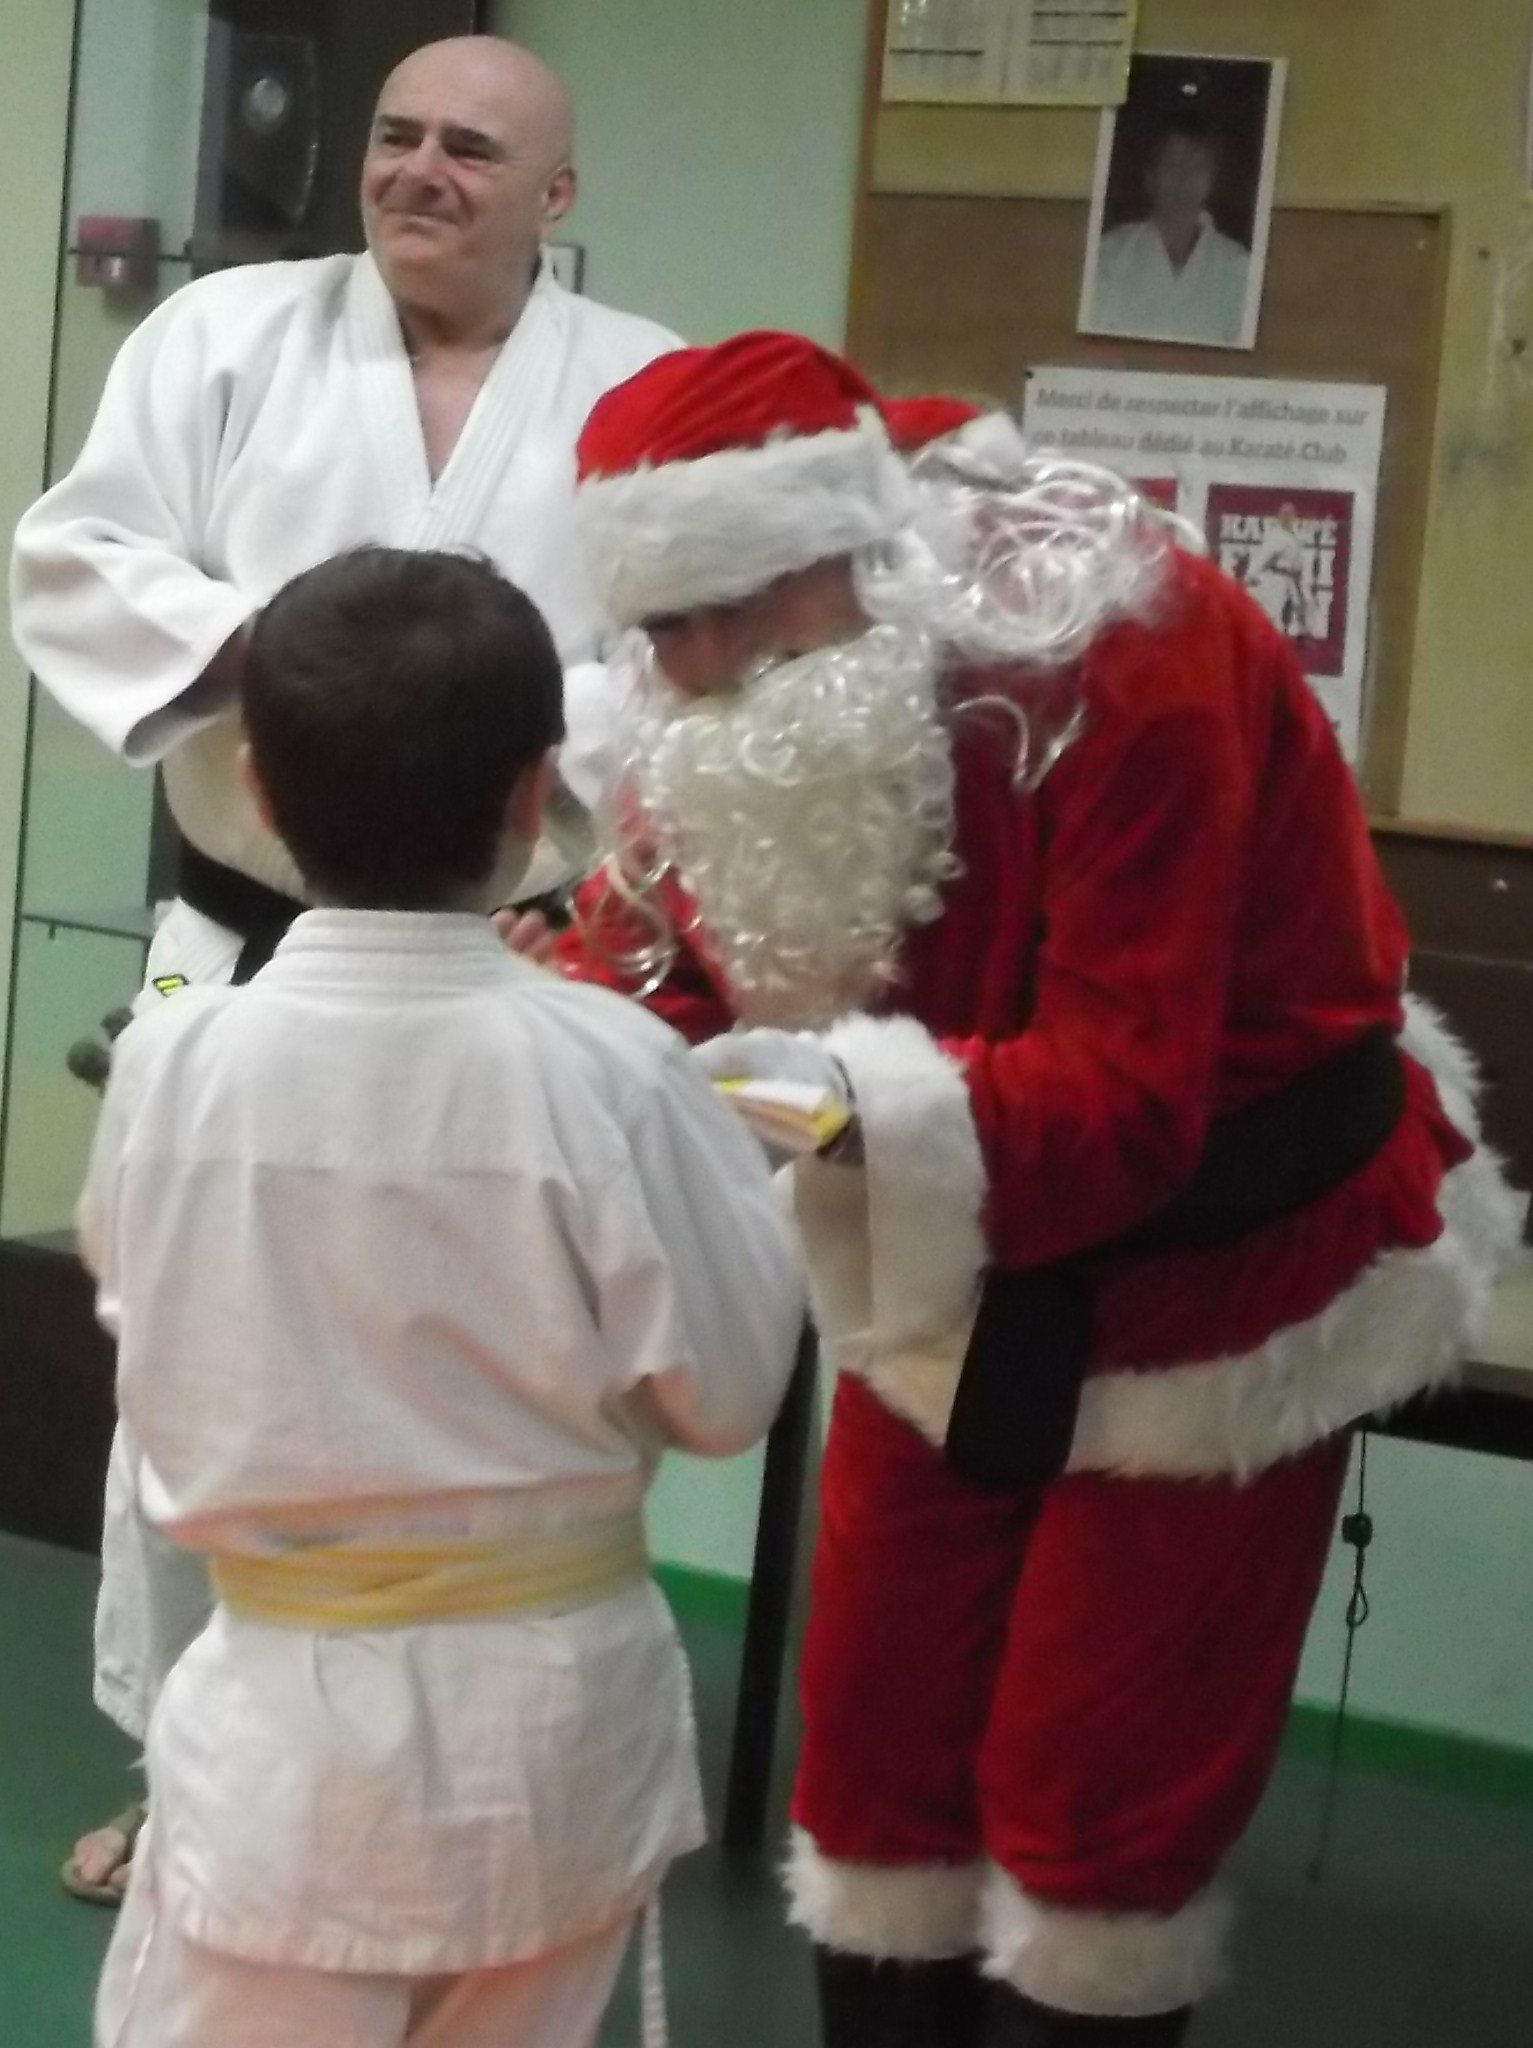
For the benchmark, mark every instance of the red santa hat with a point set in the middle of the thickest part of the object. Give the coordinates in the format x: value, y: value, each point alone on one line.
x: 914, y: 423
x: 991, y: 441
x: 716, y: 470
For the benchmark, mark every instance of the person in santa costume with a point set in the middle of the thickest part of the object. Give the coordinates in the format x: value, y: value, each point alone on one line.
x: 959, y: 792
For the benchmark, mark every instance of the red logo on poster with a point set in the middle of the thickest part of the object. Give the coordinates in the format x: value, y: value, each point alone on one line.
x: 1292, y: 550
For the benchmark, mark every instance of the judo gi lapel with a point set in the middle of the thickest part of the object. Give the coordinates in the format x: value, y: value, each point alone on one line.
x: 520, y: 391
x: 390, y: 415
x: 501, y: 430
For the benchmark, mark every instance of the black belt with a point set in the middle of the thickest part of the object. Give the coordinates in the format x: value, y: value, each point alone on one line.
x: 259, y: 915
x: 1019, y: 1389
x: 554, y: 906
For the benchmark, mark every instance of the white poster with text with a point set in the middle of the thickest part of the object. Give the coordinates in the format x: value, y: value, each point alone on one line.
x: 1281, y: 478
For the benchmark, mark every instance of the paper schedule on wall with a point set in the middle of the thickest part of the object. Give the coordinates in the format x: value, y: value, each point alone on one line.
x: 945, y: 49
x: 1071, y: 52
x: 1043, y: 52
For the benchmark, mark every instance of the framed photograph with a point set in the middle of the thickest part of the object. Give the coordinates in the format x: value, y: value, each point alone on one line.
x: 567, y: 261
x: 1176, y: 249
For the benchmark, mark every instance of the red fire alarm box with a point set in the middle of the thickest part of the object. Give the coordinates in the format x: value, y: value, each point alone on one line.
x: 117, y: 253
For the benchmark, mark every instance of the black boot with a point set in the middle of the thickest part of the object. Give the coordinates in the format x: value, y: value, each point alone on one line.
x: 889, y: 2004
x: 1013, y: 2021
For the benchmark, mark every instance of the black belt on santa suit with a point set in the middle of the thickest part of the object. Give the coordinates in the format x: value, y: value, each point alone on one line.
x: 1019, y: 1389
x: 260, y: 916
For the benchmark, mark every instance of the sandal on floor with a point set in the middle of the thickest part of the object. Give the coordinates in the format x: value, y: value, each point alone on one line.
x: 128, y: 1825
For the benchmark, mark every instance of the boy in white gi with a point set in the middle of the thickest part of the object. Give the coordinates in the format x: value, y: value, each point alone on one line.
x: 416, y: 1253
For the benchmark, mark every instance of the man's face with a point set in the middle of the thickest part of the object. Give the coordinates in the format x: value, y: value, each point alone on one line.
x: 710, y: 651
x: 1181, y: 177
x: 457, y: 186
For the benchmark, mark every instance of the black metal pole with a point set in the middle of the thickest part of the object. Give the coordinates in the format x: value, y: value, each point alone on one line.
x: 767, y: 1615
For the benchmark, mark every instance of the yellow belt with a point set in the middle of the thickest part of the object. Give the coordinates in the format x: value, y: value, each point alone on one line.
x: 395, y: 1585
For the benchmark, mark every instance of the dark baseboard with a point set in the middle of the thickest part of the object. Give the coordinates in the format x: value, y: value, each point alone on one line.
x: 57, y: 1395
x: 1431, y: 1759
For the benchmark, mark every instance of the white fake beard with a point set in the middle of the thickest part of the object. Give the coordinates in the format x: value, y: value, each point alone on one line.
x: 809, y: 817
x: 1020, y: 560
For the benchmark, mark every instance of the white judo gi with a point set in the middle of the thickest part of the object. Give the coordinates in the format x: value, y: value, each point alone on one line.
x: 1280, y: 578
x: 410, y: 1240
x: 1138, y: 291
x: 258, y: 421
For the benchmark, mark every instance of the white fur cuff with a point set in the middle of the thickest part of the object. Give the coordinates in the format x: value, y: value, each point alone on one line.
x: 926, y: 1183
x: 914, y: 1913
x: 1105, y: 1965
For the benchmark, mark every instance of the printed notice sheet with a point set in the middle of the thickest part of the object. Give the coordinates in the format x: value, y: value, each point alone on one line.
x: 1281, y: 479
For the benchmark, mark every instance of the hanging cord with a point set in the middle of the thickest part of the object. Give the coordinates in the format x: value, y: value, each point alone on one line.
x: 1356, y: 1531
x: 146, y: 1904
x: 655, y: 2031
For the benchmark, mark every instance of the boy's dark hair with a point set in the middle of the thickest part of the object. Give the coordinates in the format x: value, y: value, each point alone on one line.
x: 392, y: 700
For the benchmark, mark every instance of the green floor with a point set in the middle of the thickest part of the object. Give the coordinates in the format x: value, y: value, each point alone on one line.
x: 63, y: 1765
x: 1421, y: 1935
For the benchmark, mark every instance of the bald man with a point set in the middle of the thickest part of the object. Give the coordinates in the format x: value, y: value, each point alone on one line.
x: 426, y: 393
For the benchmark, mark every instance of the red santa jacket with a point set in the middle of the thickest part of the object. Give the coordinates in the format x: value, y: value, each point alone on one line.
x: 1184, y: 917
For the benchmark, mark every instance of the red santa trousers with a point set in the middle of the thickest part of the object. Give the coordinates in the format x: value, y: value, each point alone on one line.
x: 1037, y: 1724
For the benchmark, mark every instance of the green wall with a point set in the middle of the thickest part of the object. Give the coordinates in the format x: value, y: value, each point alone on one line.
x: 1449, y: 1640
x: 34, y: 108
x: 717, y: 149
x: 132, y: 150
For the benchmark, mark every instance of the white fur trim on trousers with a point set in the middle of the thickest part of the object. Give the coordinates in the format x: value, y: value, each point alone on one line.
x: 923, y: 1912
x: 1106, y: 1965
x: 1118, y: 1965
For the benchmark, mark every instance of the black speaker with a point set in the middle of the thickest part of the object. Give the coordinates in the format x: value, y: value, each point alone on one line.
x: 289, y: 90
x: 265, y: 99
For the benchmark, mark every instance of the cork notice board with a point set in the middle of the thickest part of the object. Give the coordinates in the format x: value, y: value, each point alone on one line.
x: 967, y: 293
